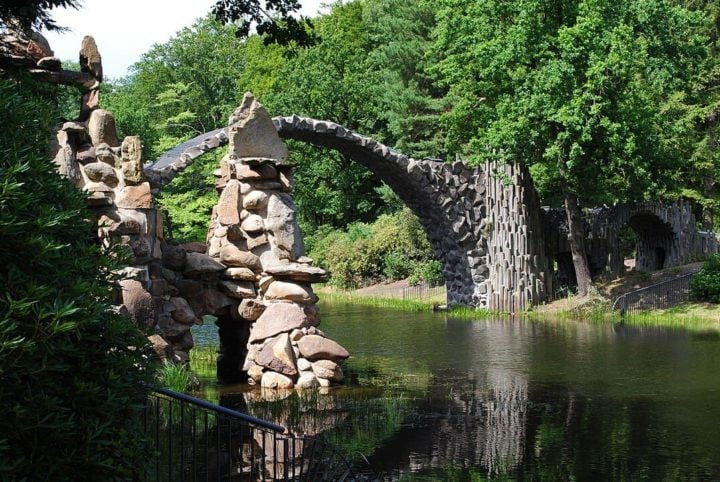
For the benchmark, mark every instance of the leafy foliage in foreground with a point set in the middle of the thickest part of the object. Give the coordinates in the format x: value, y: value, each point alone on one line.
x: 705, y: 286
x: 70, y: 385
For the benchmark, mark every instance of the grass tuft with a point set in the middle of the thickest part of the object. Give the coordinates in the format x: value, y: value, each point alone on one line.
x: 175, y: 377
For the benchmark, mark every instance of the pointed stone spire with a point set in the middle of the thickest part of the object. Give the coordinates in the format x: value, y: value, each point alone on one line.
x: 253, y: 135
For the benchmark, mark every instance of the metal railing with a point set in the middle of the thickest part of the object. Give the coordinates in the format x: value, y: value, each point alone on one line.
x: 657, y: 296
x: 195, y: 440
x: 421, y: 291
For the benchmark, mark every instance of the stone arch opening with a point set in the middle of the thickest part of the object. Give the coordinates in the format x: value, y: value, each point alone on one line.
x: 433, y: 191
x: 483, y: 229
x: 654, y: 238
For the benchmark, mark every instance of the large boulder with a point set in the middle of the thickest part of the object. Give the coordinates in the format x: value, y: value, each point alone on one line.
x: 253, y: 134
x: 101, y: 172
x: 240, y: 274
x: 275, y: 380
x: 198, y: 264
x: 101, y: 128
x: 181, y: 311
x: 90, y: 59
x: 255, y: 200
x: 238, y: 289
x: 283, y: 290
x: 173, y: 257
x: 231, y: 255
x: 316, y: 347
x: 139, y: 303
x: 255, y: 173
x: 132, y: 164
x: 163, y: 350
x: 281, y: 222
x: 307, y: 380
x: 298, y: 272
x: 328, y: 370
x: 228, y: 207
x: 279, y: 318
x: 277, y: 355
x: 253, y: 224
x: 135, y: 197
x: 251, y: 309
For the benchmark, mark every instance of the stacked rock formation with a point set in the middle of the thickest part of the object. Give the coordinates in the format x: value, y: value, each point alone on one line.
x: 251, y: 272
x: 255, y: 236
x: 30, y: 53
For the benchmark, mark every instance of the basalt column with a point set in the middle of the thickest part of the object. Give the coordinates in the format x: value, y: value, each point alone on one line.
x: 519, y: 274
x: 272, y: 335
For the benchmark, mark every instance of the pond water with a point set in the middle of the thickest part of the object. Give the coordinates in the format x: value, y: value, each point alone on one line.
x: 430, y: 397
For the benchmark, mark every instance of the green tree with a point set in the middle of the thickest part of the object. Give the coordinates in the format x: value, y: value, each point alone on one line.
x: 697, y: 114
x: 273, y: 19
x: 32, y: 14
x: 70, y: 368
x: 181, y: 88
x: 332, y: 80
x: 410, y: 100
x: 572, y: 87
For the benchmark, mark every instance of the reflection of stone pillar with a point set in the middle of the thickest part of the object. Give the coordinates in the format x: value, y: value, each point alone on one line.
x: 506, y: 396
x: 505, y: 414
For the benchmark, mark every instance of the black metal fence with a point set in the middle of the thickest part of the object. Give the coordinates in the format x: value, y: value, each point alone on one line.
x: 421, y: 291
x: 657, y: 296
x: 195, y: 440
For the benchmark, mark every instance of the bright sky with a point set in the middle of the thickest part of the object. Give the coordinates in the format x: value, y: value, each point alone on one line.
x: 125, y: 29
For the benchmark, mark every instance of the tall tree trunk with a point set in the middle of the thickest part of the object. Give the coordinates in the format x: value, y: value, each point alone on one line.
x: 576, y: 237
x: 709, y: 192
x: 709, y: 179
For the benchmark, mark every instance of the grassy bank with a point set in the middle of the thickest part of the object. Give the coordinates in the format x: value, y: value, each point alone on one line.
x: 425, y: 304
x: 689, y: 316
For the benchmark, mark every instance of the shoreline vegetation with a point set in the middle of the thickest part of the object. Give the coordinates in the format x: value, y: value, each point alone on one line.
x: 691, y: 316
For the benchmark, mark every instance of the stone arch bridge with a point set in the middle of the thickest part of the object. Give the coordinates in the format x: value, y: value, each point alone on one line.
x: 459, y: 206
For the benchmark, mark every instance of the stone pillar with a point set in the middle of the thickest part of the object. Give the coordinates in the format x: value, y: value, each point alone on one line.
x: 519, y: 274
x: 255, y: 235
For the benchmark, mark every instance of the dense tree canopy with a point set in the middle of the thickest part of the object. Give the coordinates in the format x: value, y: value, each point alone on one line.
x: 605, y: 101
x: 574, y: 88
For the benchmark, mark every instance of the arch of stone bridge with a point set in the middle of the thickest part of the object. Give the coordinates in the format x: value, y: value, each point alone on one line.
x: 447, y: 198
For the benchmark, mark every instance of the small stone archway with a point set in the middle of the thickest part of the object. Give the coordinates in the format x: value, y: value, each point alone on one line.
x: 666, y: 235
x: 654, y: 239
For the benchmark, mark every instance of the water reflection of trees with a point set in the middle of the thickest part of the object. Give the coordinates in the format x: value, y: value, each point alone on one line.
x: 503, y: 404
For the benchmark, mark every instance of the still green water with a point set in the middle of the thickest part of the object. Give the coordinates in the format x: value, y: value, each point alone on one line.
x: 435, y: 398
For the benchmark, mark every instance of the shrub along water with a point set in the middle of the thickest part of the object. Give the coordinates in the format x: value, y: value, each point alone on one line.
x: 705, y: 285
x: 393, y: 247
x: 70, y: 369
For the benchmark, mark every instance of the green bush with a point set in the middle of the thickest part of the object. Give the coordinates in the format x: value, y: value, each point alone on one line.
x: 70, y: 369
x: 392, y: 248
x: 705, y: 285
x: 396, y: 265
